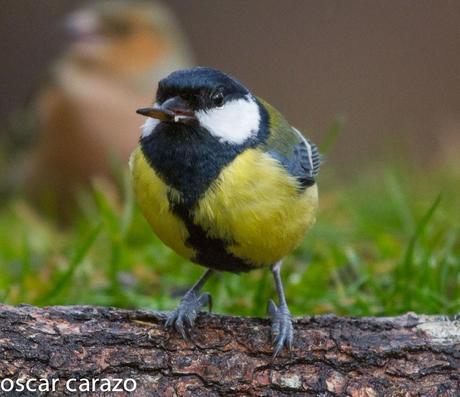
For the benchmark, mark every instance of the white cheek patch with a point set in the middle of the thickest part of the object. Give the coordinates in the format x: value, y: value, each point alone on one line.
x: 148, y: 127
x: 234, y: 122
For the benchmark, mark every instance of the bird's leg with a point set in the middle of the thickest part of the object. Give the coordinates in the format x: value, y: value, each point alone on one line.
x: 282, y: 331
x: 190, y: 304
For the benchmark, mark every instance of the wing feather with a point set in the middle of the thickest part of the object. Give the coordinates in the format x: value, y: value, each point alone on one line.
x: 299, y: 156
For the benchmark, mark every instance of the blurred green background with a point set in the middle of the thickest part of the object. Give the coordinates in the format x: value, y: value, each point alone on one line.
x: 375, y: 85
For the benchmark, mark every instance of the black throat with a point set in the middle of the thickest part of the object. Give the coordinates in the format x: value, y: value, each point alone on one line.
x: 187, y: 158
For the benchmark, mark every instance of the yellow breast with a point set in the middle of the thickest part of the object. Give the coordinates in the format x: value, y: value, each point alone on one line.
x: 152, y: 196
x: 254, y: 204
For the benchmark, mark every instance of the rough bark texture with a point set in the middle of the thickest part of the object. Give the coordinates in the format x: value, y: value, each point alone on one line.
x: 403, y: 356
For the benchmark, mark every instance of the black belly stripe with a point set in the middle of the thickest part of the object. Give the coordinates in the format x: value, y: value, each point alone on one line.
x: 211, y: 252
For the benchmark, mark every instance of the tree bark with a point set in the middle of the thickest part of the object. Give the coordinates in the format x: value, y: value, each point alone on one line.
x: 408, y: 355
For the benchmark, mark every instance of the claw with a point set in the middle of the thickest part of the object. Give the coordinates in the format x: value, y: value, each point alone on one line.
x: 183, y: 317
x: 282, y: 331
x: 179, y: 326
x: 272, y: 308
x: 278, y: 348
x: 206, y: 298
x: 189, y: 319
x: 169, y: 320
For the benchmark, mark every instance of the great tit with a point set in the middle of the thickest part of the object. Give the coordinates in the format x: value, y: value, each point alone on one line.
x: 226, y: 182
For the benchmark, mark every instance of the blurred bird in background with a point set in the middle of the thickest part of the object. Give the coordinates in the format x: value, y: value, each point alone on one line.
x: 84, y: 113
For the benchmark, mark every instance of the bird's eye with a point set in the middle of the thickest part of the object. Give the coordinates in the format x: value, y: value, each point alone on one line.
x: 218, y: 99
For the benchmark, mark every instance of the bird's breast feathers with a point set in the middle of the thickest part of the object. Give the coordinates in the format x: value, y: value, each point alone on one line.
x: 257, y: 204
x: 255, y: 207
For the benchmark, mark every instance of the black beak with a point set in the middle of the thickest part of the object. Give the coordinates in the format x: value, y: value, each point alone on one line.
x: 173, y: 109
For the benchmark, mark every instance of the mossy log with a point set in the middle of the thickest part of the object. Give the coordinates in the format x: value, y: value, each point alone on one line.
x: 410, y: 355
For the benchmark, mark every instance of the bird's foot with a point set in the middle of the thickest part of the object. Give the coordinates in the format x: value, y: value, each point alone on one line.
x: 185, y: 314
x: 282, y: 330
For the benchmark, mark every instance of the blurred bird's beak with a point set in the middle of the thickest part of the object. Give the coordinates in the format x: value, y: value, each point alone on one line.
x: 173, y: 109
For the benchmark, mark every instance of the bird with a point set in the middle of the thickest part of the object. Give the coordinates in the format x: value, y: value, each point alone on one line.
x: 115, y: 49
x: 226, y: 182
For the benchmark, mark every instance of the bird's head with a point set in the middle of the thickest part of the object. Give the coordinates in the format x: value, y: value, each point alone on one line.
x: 206, y: 98
x: 121, y: 36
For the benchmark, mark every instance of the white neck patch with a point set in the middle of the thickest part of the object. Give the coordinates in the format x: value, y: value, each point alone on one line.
x: 234, y: 122
x: 148, y: 127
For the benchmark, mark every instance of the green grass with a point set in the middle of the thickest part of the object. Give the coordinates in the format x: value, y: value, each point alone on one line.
x: 386, y: 242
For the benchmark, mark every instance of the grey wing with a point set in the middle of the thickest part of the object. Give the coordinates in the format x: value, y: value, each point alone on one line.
x: 313, y: 155
x: 302, y: 160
